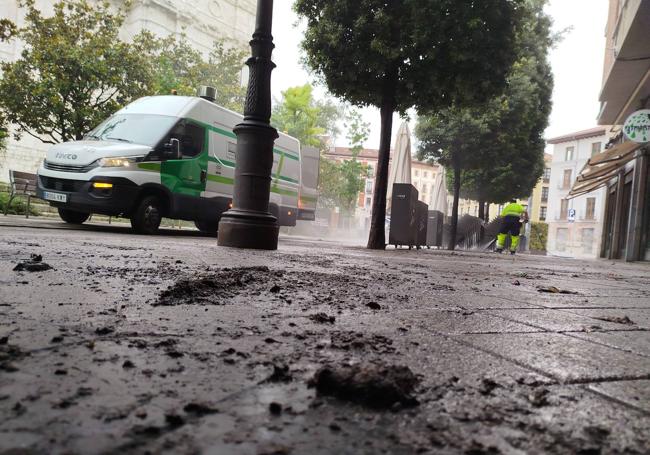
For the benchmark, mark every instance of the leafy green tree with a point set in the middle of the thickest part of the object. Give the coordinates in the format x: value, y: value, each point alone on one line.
x: 496, y: 149
x: 341, y: 183
x: 452, y: 137
x: 515, y: 161
x: 73, y: 72
x: 309, y: 120
x: 178, y: 67
x: 4, y: 135
x: 400, y: 54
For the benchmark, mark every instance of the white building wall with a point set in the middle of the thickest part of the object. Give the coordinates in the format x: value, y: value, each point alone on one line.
x: 582, y: 237
x: 203, y: 21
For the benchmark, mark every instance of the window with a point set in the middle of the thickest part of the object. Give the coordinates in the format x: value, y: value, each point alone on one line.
x: 425, y: 174
x: 590, y: 213
x: 425, y: 189
x: 547, y: 174
x: 566, y: 181
x: 545, y: 194
x: 595, y: 148
x: 416, y: 173
x: 564, y: 209
x: 562, y: 238
x: 542, y: 214
x: 190, y: 136
x: 369, y: 184
x: 587, y: 240
x: 368, y: 202
x: 568, y: 156
x: 141, y: 129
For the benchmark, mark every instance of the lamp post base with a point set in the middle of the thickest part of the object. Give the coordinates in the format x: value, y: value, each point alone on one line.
x: 248, y: 229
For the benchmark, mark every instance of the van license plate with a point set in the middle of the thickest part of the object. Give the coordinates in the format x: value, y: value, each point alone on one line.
x: 56, y: 197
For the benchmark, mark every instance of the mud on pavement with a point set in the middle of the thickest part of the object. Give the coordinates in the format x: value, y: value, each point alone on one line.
x: 315, y: 349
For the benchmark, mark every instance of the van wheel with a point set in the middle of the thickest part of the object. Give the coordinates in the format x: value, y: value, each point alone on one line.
x: 73, y: 217
x: 208, y: 227
x: 147, y: 216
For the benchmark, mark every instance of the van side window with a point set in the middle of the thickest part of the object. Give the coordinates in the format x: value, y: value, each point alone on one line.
x: 191, y: 137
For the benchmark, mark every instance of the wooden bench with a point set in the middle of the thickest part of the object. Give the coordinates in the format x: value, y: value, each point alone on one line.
x: 21, y: 184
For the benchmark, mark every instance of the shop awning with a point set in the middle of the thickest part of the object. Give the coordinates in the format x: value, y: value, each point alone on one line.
x: 603, y: 167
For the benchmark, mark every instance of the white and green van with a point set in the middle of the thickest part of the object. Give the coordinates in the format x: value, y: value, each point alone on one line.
x: 169, y: 156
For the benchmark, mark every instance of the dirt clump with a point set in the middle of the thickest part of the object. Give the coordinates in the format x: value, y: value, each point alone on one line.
x: 373, y: 386
x: 216, y: 288
x: 33, y: 264
x: 322, y: 318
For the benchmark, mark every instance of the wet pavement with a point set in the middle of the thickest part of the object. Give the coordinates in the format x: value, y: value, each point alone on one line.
x: 169, y: 344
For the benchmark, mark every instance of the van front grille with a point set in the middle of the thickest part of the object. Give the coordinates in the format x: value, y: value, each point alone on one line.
x: 69, y: 167
x: 55, y: 184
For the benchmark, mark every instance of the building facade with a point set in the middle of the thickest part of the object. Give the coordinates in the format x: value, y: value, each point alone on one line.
x: 623, y: 170
x: 203, y: 22
x: 575, y: 225
x: 423, y: 176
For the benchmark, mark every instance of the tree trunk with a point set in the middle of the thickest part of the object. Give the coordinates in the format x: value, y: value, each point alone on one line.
x: 377, y: 237
x: 487, y: 212
x: 481, y: 210
x: 454, y: 210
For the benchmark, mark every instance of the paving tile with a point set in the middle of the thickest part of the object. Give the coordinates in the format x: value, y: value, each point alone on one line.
x: 557, y: 321
x: 634, y: 393
x: 571, y: 301
x: 632, y: 341
x: 639, y: 317
x: 484, y: 302
x: 563, y: 357
x: 459, y: 322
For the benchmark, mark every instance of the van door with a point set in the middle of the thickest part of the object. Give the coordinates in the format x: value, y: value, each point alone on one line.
x: 186, y: 177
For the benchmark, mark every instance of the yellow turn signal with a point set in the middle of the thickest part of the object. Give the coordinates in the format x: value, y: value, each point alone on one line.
x: 102, y: 186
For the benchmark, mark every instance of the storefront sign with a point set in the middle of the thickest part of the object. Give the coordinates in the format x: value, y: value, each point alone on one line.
x: 637, y: 126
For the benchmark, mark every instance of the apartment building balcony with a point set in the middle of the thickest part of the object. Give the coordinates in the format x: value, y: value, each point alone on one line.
x: 627, y: 74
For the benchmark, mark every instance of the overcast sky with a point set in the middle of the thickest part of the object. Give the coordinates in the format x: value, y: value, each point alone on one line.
x: 577, y: 64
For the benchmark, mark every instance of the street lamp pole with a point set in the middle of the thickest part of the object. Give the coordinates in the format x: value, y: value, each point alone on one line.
x: 249, y: 224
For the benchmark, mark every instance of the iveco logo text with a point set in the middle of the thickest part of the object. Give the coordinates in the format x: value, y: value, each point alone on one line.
x: 66, y: 156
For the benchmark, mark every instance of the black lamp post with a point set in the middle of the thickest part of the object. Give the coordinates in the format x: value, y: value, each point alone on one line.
x: 249, y: 224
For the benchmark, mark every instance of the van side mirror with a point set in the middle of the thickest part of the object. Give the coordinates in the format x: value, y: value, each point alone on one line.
x: 172, y: 150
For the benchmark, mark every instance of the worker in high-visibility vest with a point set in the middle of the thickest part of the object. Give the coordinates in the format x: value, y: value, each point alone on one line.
x: 513, y: 214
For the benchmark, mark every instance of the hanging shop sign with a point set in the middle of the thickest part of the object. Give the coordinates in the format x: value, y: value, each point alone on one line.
x: 637, y: 126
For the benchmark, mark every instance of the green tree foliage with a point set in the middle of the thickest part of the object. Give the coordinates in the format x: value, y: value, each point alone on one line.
x: 4, y: 135
x: 176, y: 66
x: 496, y: 149
x: 404, y: 53
x: 452, y: 137
x: 341, y: 183
x: 72, y: 73
x: 538, y: 236
x: 309, y: 120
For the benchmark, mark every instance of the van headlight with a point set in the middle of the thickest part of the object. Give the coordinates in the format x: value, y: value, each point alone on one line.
x: 119, y: 161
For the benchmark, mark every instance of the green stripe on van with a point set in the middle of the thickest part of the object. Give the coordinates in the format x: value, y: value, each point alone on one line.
x: 153, y: 167
x: 229, y: 181
x: 232, y: 135
x: 232, y: 165
x: 288, y: 155
x: 221, y: 179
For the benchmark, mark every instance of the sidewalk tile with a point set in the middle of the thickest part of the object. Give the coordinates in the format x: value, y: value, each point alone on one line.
x: 563, y: 357
x: 635, y: 393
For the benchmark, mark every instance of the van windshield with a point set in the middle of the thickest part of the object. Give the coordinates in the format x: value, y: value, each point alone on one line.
x: 142, y: 129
